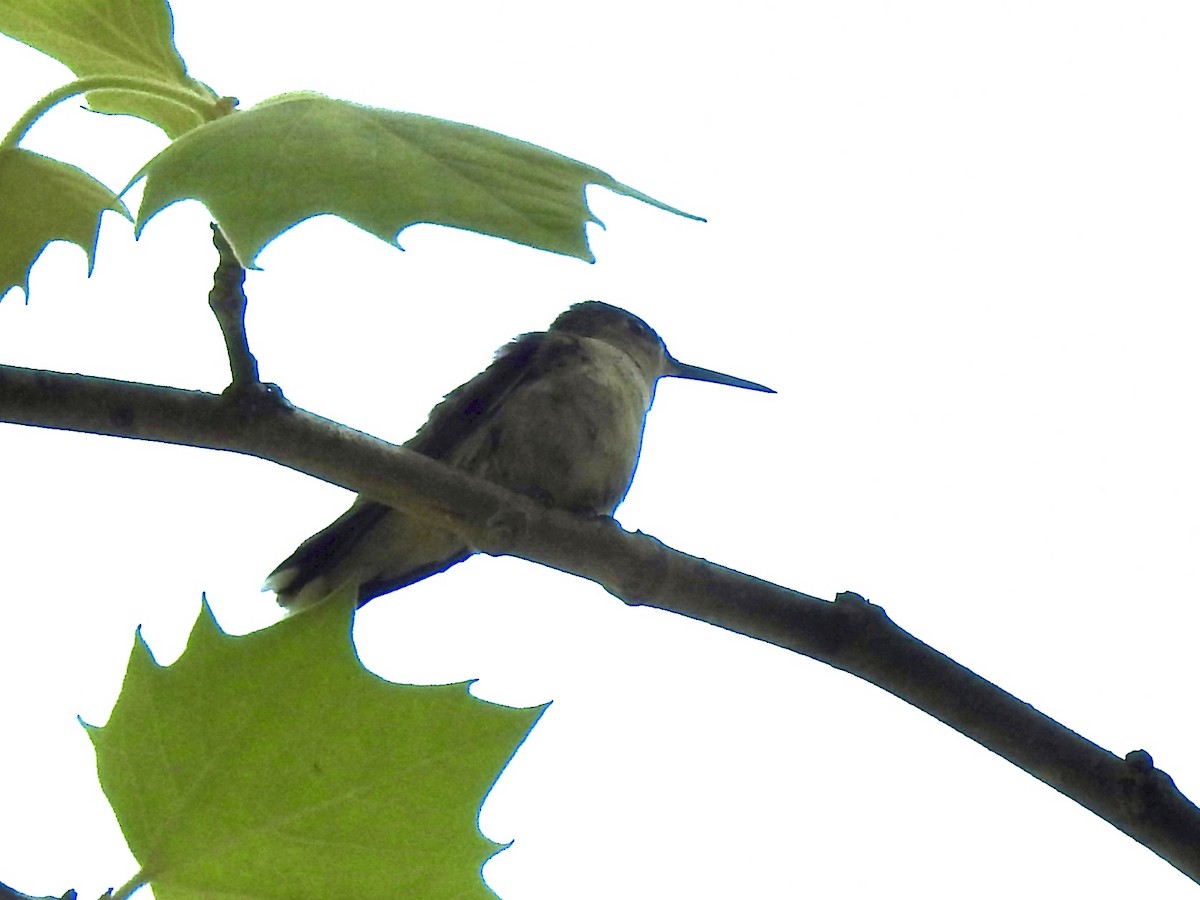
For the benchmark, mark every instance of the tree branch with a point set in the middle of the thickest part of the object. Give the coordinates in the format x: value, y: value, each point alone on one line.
x: 849, y: 633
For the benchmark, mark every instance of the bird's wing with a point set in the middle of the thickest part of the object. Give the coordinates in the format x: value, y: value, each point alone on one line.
x: 461, y: 414
x: 470, y: 407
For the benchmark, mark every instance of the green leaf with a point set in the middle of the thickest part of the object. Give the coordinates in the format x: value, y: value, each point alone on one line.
x: 111, y: 37
x: 261, y: 171
x: 274, y: 765
x: 44, y: 200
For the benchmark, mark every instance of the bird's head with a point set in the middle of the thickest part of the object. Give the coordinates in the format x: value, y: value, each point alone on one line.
x: 628, y: 333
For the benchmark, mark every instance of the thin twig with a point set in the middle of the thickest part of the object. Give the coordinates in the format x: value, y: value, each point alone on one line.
x: 227, y: 300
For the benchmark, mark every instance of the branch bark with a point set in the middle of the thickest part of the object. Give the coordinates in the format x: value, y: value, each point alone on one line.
x: 227, y: 300
x: 848, y: 633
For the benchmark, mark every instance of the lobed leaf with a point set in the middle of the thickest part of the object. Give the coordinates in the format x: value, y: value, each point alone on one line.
x: 263, y: 170
x: 275, y: 765
x: 44, y: 200
x: 111, y: 37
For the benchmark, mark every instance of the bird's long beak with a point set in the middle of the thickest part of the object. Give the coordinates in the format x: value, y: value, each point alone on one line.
x: 676, y: 369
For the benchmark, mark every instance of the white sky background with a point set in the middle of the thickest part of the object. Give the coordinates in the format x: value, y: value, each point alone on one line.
x: 960, y: 240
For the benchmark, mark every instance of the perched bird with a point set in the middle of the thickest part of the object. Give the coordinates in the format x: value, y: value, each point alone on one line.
x: 557, y: 416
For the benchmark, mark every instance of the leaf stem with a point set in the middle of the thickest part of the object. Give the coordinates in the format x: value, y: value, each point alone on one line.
x: 129, y: 887
x: 205, y: 108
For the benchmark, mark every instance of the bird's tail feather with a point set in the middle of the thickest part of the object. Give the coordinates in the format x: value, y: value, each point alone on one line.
x: 371, y: 544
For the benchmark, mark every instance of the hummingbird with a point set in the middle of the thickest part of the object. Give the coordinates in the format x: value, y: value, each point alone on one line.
x: 557, y: 416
